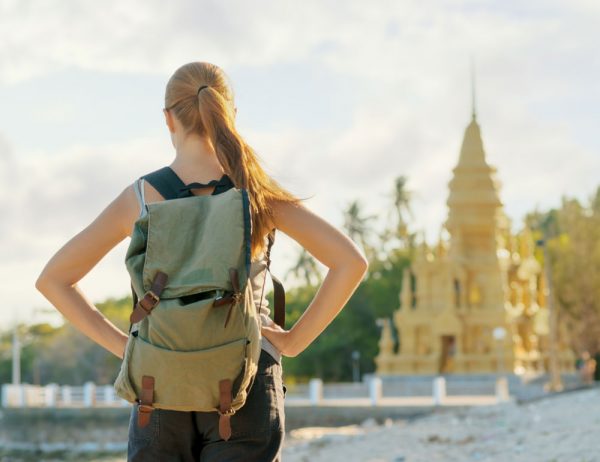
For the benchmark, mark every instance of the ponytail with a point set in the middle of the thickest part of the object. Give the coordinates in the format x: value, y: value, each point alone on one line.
x: 210, y: 112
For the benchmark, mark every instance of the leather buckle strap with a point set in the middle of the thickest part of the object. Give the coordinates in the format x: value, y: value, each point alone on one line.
x: 279, y: 301
x: 236, y: 296
x: 231, y: 297
x: 145, y: 407
x: 225, y: 299
x: 150, y: 299
x: 225, y: 411
x: 278, y: 290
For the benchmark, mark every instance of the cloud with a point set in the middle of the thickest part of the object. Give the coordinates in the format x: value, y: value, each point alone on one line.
x: 151, y: 36
x: 537, y: 94
x: 8, y: 187
x: 383, y: 41
x: 57, y: 196
x: 7, y: 163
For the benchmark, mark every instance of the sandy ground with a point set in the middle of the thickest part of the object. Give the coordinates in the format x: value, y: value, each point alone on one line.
x: 561, y: 428
x: 565, y: 427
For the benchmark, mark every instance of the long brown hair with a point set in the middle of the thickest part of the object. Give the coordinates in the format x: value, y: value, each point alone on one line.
x: 210, y: 112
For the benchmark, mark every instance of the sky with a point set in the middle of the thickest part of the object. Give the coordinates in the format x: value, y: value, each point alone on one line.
x: 337, y: 98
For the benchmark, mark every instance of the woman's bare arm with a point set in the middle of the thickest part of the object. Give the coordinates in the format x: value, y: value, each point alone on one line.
x: 58, y: 280
x: 347, y: 266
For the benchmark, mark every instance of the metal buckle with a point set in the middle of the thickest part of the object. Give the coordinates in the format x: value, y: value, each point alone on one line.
x: 229, y: 411
x: 154, y: 300
x: 155, y: 297
x: 145, y: 408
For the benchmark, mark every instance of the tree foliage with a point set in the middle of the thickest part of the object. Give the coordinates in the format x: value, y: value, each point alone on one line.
x: 62, y: 354
x: 573, y: 240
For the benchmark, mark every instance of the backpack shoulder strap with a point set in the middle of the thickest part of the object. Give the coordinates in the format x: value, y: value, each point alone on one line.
x: 166, y: 182
x: 279, y: 298
x: 278, y: 290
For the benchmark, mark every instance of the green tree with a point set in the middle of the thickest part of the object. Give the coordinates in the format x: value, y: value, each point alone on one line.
x: 397, y: 232
x: 358, y: 229
x: 63, y: 354
x: 573, y: 232
x: 306, y: 268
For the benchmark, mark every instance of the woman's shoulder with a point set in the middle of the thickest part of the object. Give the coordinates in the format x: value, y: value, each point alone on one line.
x: 281, y: 209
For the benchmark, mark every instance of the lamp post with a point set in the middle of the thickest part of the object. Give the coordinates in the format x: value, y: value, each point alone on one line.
x: 355, y: 366
x: 16, y: 356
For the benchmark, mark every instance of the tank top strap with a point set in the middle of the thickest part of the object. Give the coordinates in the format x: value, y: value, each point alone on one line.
x: 138, y: 186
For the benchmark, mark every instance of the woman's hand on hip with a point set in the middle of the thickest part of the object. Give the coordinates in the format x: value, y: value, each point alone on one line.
x: 279, y: 337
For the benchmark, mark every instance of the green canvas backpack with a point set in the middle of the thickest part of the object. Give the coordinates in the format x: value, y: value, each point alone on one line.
x: 197, y: 339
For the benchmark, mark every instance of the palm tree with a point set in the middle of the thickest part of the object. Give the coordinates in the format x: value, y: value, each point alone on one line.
x: 305, y: 267
x: 401, y: 198
x: 357, y: 227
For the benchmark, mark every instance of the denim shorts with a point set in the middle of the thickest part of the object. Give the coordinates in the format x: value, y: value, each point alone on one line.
x: 257, y: 428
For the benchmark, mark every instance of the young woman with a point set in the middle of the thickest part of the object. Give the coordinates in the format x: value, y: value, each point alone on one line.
x: 200, y: 115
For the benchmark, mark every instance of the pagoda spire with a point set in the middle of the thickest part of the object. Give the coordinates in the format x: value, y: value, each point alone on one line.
x: 473, y: 106
x: 473, y: 199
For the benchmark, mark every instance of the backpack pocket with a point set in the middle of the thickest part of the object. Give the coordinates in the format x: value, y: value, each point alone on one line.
x: 186, y: 380
x: 194, y: 326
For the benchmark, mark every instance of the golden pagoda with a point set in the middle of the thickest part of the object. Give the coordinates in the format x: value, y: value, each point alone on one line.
x: 474, y: 303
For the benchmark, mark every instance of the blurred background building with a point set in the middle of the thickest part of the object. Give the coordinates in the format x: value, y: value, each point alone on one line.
x: 475, y: 303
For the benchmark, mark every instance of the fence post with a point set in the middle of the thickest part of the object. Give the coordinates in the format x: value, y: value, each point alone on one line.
x: 315, y: 391
x: 502, y: 392
x: 65, y: 393
x: 108, y: 395
x: 21, y: 394
x: 50, y: 394
x: 89, y: 394
x: 5, y: 394
x: 439, y: 390
x: 375, y: 393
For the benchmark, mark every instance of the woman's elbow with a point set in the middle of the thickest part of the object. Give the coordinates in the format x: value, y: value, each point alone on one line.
x: 44, y: 281
x: 41, y: 283
x: 365, y: 265
x: 360, y: 264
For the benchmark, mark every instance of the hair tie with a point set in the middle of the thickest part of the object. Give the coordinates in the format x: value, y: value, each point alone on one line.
x: 203, y: 86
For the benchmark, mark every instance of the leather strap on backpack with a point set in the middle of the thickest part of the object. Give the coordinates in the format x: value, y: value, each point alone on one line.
x: 232, y: 297
x: 279, y: 296
x: 145, y: 407
x: 225, y: 410
x: 151, y: 298
x: 278, y: 290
